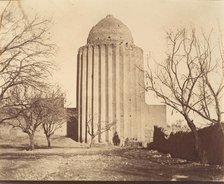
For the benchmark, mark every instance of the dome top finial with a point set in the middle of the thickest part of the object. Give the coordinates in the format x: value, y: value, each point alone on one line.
x: 109, y: 30
x: 109, y: 16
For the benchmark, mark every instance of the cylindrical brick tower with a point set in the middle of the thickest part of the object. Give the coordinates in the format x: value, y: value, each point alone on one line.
x: 109, y: 83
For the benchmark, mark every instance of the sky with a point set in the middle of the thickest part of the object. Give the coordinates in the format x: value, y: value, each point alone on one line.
x: 148, y: 21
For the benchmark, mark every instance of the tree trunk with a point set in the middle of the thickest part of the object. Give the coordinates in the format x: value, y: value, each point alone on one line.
x: 91, y: 141
x: 48, y: 141
x: 31, y: 136
x: 199, y: 151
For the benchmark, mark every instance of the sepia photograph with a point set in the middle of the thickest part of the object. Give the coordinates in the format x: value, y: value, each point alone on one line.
x: 112, y: 90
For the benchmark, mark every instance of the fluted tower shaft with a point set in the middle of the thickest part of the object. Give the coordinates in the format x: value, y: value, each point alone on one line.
x: 109, y: 84
x: 108, y: 89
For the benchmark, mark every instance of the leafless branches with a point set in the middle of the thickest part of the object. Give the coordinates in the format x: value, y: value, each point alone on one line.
x: 95, y: 131
x: 185, y: 81
x: 54, y: 114
x: 25, y: 51
x: 32, y: 108
x: 26, y: 112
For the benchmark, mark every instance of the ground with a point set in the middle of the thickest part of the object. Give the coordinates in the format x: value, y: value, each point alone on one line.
x: 69, y: 160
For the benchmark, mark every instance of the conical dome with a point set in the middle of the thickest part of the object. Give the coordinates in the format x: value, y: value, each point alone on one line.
x: 109, y: 30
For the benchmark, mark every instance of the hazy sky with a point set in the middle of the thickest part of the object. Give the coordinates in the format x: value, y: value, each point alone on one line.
x: 148, y: 21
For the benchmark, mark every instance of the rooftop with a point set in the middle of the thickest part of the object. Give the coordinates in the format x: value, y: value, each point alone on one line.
x: 109, y: 30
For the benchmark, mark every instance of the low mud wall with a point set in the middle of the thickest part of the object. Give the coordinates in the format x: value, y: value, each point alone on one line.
x: 181, y: 144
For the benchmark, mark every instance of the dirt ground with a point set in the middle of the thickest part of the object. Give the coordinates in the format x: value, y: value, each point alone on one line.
x: 75, y: 161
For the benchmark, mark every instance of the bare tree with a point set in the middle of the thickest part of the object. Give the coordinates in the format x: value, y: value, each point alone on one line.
x: 27, y: 110
x: 25, y: 51
x: 210, y: 93
x: 54, y: 114
x: 182, y: 79
x: 94, y: 131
